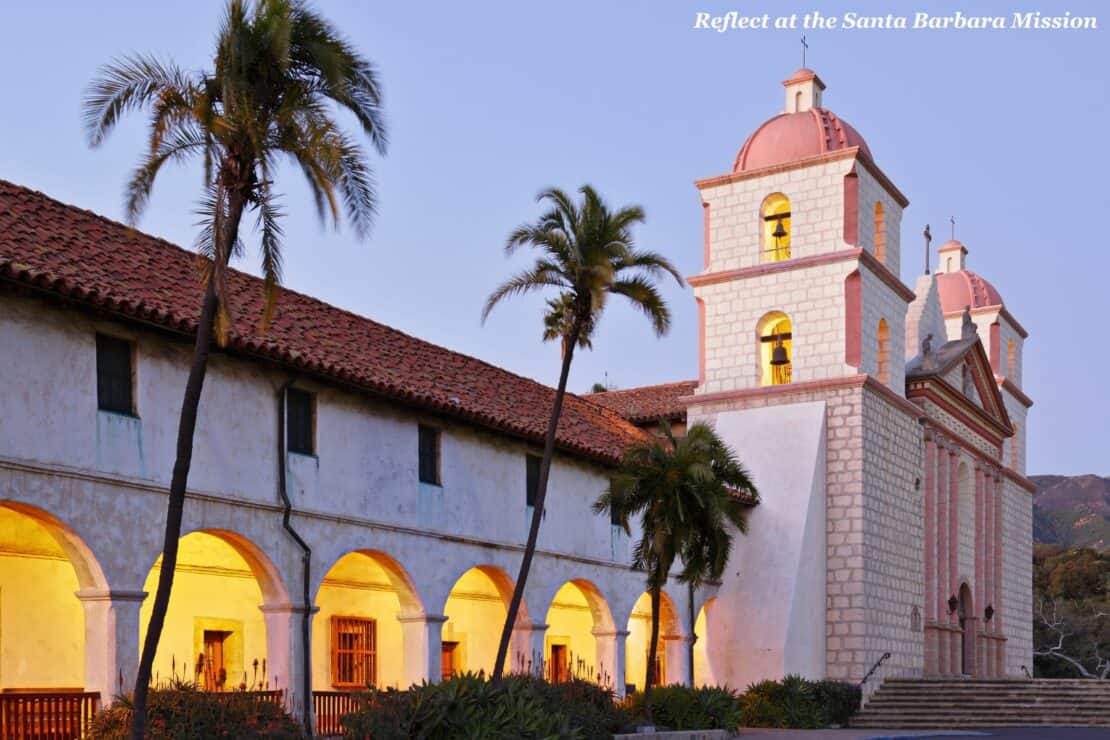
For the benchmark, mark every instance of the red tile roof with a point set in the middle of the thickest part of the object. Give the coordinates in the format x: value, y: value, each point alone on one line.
x: 106, y: 266
x: 648, y: 403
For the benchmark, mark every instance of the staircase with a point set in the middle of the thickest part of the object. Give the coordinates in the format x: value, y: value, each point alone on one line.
x: 967, y: 703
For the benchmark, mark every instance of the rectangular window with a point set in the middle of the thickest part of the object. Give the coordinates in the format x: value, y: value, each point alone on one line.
x: 114, y: 379
x: 532, y: 482
x: 429, y: 455
x: 354, y: 652
x: 300, y: 415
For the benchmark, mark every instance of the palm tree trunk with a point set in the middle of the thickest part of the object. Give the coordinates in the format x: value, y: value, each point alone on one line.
x: 541, y: 497
x: 653, y: 648
x: 179, y: 481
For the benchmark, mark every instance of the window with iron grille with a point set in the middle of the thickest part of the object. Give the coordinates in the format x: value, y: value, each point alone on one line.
x: 354, y: 652
x: 429, y: 455
x: 114, y: 379
x: 300, y: 416
x: 532, y: 482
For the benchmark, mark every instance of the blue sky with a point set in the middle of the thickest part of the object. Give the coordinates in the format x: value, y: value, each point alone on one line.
x: 488, y: 102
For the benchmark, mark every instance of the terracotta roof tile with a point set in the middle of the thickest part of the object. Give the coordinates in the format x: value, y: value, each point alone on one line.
x: 105, y: 265
x: 648, y: 403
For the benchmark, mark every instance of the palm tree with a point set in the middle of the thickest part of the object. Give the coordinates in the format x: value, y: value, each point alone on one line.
x: 586, y: 255
x: 687, y: 492
x: 279, y: 71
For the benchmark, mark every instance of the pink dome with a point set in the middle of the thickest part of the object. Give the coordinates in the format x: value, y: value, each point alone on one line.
x: 789, y: 137
x: 965, y: 288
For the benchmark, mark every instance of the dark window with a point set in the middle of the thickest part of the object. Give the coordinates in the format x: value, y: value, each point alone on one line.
x: 532, y: 483
x: 299, y: 412
x: 429, y: 455
x: 113, y: 375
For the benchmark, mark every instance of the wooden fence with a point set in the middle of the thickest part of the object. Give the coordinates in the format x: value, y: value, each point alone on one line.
x: 47, y: 715
x: 329, y: 706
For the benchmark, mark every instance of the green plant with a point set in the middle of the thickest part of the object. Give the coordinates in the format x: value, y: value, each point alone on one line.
x: 684, y: 490
x: 838, y: 700
x: 797, y: 703
x: 180, y: 711
x: 684, y: 708
x: 468, y: 706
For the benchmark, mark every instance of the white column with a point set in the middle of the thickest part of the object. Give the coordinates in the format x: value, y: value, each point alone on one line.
x: 286, y: 651
x: 610, y: 659
x: 422, y: 635
x: 527, y: 650
x: 678, y: 668
x: 111, y: 640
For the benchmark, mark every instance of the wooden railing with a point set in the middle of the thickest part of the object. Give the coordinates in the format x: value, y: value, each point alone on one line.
x: 329, y: 706
x: 44, y: 715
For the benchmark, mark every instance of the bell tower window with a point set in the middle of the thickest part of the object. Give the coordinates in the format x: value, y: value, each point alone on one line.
x: 880, y: 233
x: 775, y: 216
x: 776, y: 351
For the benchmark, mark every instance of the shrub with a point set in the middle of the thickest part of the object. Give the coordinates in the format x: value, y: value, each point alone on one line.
x: 838, y: 700
x: 181, y: 711
x: 680, y: 707
x: 464, y: 706
x: 798, y: 703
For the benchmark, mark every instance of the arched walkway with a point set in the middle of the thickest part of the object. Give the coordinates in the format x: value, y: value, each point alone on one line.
x: 217, y: 631
x: 579, y: 629
x: 669, y: 657
x: 45, y: 568
x: 358, y: 636
x: 475, y: 612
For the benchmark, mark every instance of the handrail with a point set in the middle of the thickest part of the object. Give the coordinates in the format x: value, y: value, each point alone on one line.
x: 874, y: 668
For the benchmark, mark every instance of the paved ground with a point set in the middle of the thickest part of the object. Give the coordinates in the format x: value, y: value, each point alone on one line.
x: 1014, y: 733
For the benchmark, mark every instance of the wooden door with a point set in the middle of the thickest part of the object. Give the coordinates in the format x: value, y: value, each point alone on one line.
x: 447, y: 659
x: 559, y: 663
x: 215, y: 669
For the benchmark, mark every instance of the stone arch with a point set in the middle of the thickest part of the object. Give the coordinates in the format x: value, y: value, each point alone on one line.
x: 705, y: 656
x: 475, y: 609
x: 775, y: 228
x: 90, y: 575
x: 49, y: 572
x: 671, y: 645
x: 579, y: 633
x: 774, y: 335
x: 229, y: 617
x: 365, y: 600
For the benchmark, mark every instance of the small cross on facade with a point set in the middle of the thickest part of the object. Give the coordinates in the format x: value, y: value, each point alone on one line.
x: 928, y: 244
x: 804, y: 47
x: 952, y: 220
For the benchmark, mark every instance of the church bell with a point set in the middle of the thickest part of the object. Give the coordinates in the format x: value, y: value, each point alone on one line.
x: 779, y: 231
x: 778, y: 354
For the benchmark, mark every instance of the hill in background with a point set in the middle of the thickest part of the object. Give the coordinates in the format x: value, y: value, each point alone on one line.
x: 1072, y: 511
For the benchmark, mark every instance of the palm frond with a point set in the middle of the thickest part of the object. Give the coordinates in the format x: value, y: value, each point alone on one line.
x: 125, y: 85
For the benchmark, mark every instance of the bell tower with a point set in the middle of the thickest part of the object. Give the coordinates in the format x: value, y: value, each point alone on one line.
x: 802, y: 371
x: 801, y: 256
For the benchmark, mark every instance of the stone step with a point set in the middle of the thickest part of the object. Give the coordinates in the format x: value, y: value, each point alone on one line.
x: 948, y: 703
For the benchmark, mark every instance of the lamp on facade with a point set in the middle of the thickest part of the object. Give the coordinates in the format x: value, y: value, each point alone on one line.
x: 953, y: 603
x: 778, y: 354
x: 988, y: 613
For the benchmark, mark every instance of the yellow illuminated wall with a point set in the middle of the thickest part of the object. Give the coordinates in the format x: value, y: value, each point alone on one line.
x: 570, y: 622
x: 42, y: 624
x: 703, y: 666
x: 475, y: 614
x: 357, y: 586
x: 213, y: 589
